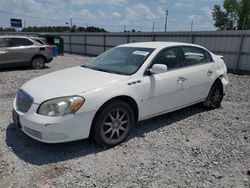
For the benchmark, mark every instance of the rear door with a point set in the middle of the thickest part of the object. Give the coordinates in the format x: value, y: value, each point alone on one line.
x: 21, y: 50
x: 197, y: 76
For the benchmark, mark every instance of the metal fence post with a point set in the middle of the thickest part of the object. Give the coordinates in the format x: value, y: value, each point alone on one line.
x: 70, y: 47
x: 153, y: 37
x: 127, y: 38
x: 85, y: 44
x: 104, y: 42
x: 192, y: 38
x: 239, y: 53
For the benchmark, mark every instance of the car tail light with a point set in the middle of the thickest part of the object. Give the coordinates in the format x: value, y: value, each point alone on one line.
x: 50, y: 48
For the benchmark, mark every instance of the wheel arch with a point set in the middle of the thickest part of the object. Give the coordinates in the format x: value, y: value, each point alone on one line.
x: 127, y: 99
x: 219, y: 80
x: 207, y: 102
x: 39, y: 55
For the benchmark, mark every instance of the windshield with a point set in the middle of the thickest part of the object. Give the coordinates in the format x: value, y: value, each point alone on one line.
x: 120, y: 60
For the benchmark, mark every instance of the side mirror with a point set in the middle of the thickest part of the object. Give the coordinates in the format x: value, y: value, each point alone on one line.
x: 158, y: 69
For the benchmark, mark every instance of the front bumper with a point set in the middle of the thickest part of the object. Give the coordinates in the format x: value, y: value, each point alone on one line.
x: 54, y: 129
x: 225, y: 83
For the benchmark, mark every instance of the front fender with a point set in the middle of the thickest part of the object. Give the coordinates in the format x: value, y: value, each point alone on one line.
x: 96, y: 98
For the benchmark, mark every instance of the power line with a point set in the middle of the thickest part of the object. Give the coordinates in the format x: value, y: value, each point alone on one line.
x: 187, y: 12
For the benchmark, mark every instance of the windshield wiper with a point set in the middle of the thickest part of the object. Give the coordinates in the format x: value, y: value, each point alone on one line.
x: 100, y: 69
x: 95, y: 68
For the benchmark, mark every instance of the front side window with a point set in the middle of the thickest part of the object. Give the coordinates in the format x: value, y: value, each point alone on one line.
x: 193, y: 56
x: 168, y: 57
x: 15, y: 42
x: 120, y: 60
x: 4, y: 42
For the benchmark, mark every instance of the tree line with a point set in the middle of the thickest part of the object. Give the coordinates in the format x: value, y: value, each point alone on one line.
x: 60, y: 29
x: 235, y: 15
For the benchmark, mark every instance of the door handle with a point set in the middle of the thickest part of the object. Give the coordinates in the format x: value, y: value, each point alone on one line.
x: 181, y: 79
x: 209, y: 72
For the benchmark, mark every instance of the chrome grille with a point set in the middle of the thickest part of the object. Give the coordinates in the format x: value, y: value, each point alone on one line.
x: 23, y: 101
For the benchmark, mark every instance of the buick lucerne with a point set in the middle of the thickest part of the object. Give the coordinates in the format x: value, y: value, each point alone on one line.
x: 107, y: 96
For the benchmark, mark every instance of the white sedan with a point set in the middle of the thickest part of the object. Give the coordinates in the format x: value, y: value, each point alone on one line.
x: 129, y: 83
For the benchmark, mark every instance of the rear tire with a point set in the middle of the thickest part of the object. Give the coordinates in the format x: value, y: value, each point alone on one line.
x: 113, y: 124
x: 215, y: 96
x: 38, y: 62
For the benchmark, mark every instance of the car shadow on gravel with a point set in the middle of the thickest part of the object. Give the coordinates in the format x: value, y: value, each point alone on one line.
x: 18, y: 68
x: 37, y: 153
x: 164, y: 120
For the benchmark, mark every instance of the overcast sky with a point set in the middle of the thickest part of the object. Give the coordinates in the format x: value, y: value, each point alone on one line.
x: 112, y: 14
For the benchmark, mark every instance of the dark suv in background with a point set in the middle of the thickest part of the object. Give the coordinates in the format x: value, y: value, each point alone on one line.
x: 23, y: 50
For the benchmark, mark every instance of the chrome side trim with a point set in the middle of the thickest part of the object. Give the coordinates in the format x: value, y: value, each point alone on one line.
x: 171, y: 110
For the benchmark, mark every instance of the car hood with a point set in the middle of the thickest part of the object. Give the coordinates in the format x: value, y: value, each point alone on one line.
x: 67, y: 82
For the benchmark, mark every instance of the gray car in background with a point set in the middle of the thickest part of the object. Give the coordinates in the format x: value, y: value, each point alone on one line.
x: 22, y: 50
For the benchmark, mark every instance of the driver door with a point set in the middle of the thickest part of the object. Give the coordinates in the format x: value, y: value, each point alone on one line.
x: 162, y: 91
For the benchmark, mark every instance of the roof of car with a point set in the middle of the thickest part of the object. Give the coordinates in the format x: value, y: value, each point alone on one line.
x: 40, y: 38
x: 157, y: 44
x: 16, y: 36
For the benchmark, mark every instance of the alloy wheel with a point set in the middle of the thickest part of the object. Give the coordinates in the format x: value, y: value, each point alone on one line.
x: 38, y: 63
x: 216, y: 96
x: 115, y: 125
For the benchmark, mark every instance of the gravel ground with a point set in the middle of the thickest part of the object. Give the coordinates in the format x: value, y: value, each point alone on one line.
x: 191, y: 147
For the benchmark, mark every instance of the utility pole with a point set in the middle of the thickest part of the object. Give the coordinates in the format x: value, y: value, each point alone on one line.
x: 124, y: 28
x: 192, y: 24
x: 166, y: 20
x: 71, y: 23
x: 153, y: 28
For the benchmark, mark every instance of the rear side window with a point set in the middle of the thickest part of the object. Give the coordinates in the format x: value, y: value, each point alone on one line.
x: 194, y: 56
x: 209, y: 57
x: 4, y: 42
x: 15, y: 42
x: 40, y: 41
x: 168, y: 57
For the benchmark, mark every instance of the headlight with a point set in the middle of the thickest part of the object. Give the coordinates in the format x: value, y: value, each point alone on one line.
x: 61, y: 106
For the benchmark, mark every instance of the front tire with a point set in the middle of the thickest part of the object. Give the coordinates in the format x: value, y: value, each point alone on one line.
x: 215, y: 96
x: 113, y: 124
x: 38, y: 63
